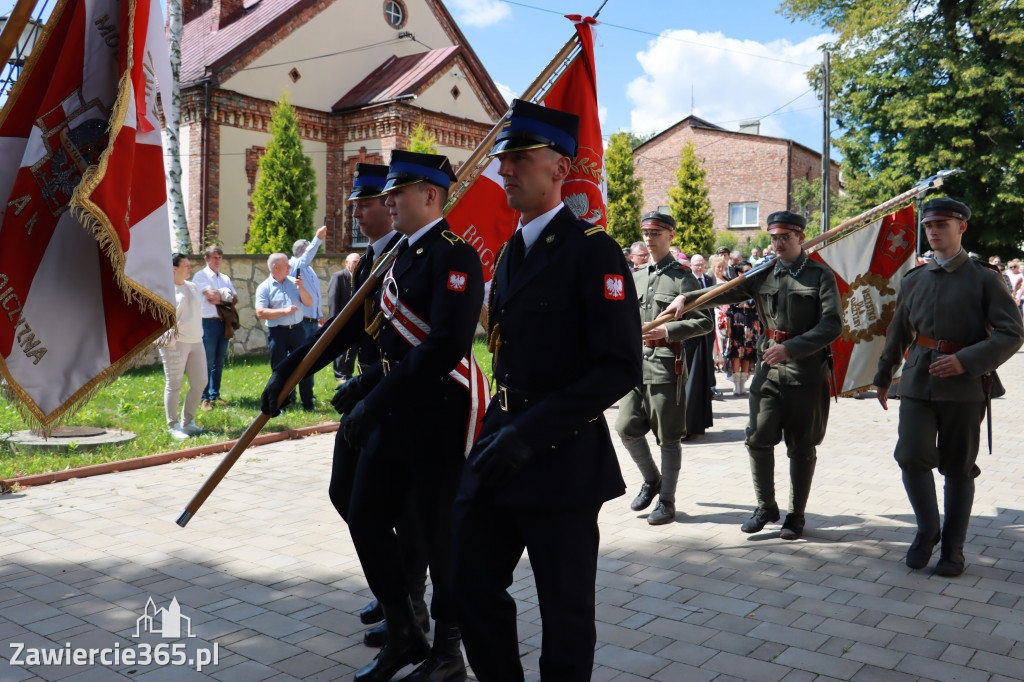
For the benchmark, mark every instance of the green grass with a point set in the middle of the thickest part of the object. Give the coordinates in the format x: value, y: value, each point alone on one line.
x: 135, y: 403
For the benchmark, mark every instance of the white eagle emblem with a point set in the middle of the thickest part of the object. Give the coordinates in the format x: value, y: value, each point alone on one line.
x: 613, y: 287
x: 456, y: 281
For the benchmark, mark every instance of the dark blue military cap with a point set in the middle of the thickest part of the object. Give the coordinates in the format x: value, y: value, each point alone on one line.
x: 369, y: 181
x: 530, y: 126
x: 408, y: 168
x: 658, y: 217
x: 786, y: 220
x: 944, y: 209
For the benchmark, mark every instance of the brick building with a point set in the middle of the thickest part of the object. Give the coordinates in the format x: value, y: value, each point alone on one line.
x: 361, y: 75
x: 749, y: 175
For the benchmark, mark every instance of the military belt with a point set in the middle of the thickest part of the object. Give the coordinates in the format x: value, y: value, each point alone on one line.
x: 659, y: 343
x: 941, y: 346
x: 779, y: 336
x: 511, y: 400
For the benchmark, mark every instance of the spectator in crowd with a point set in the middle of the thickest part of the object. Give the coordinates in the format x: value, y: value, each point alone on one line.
x: 700, y: 382
x: 743, y: 330
x: 182, y: 353
x: 303, y: 253
x: 639, y: 254
x: 1016, y: 280
x: 755, y: 257
x: 216, y: 289
x: 339, y: 291
x: 280, y: 300
x: 718, y: 271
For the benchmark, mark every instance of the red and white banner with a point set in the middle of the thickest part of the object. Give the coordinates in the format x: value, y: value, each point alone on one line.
x: 85, y: 272
x: 869, y: 264
x: 483, y: 217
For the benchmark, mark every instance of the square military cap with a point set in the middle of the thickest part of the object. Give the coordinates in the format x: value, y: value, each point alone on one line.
x: 531, y: 126
x: 944, y: 209
x: 408, y: 168
x: 786, y: 221
x: 663, y: 219
x: 368, y: 181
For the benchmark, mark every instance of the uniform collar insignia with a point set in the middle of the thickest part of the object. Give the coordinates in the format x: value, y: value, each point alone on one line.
x: 796, y: 268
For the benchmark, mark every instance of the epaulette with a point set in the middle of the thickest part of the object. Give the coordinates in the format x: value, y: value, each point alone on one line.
x: 451, y: 237
x: 591, y: 231
x: 990, y: 266
x: 916, y: 267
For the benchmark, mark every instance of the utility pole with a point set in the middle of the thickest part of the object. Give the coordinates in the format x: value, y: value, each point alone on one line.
x: 826, y: 146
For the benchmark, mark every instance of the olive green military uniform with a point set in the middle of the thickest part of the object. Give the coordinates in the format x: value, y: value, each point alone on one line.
x: 940, y: 417
x: 652, y: 406
x: 790, y: 399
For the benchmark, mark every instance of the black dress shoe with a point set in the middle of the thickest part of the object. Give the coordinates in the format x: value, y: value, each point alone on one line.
x: 439, y: 669
x: 377, y: 636
x: 792, y: 527
x: 371, y: 613
x: 394, y: 657
x: 920, y: 552
x: 760, y: 517
x: 665, y: 512
x: 951, y: 563
x: 648, y: 491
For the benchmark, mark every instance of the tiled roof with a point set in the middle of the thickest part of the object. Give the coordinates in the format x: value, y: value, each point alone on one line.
x: 396, y: 77
x: 202, y: 46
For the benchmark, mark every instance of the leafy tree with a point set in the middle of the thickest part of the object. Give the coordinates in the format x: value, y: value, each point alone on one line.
x: 422, y: 140
x: 285, y: 195
x: 690, y: 205
x: 625, y: 194
x: 923, y: 85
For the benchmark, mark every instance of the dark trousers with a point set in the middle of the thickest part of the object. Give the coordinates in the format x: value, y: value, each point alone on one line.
x: 417, y: 458
x: 216, y: 347
x: 410, y: 529
x: 563, y: 544
x: 283, y: 340
x: 943, y: 435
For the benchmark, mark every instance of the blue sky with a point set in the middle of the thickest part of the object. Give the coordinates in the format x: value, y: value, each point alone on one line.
x: 733, y: 59
x: 740, y: 59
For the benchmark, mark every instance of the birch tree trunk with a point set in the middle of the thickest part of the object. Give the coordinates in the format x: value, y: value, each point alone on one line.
x: 175, y: 197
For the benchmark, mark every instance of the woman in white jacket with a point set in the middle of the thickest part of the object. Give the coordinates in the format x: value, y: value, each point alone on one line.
x: 186, y: 355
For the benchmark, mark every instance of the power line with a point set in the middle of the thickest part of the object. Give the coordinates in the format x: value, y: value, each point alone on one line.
x: 668, y: 37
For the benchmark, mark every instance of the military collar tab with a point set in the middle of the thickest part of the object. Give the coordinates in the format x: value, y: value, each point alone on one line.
x: 798, y: 265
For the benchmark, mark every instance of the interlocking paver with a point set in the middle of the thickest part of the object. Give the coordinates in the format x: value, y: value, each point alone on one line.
x: 272, y: 578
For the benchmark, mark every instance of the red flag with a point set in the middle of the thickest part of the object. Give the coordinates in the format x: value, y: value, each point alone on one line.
x: 483, y: 216
x: 869, y: 264
x: 85, y: 273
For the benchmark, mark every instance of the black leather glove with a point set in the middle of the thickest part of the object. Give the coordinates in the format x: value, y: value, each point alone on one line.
x: 500, y: 456
x: 348, y: 394
x: 268, y: 401
x: 356, y: 427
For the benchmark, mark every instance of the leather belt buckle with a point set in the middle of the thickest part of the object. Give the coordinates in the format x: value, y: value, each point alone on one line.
x: 503, y: 398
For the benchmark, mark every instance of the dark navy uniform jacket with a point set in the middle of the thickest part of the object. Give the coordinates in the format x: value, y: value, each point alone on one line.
x: 570, y: 334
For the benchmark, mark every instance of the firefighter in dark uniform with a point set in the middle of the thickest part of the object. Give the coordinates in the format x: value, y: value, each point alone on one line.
x: 407, y: 416
x: 948, y: 378
x: 375, y: 222
x: 564, y: 329
x: 659, y: 403
x: 799, y: 308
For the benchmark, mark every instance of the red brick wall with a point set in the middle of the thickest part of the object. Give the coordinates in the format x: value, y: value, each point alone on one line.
x: 740, y: 168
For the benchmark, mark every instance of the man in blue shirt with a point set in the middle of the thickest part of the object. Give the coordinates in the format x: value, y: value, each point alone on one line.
x: 280, y: 300
x: 303, y: 253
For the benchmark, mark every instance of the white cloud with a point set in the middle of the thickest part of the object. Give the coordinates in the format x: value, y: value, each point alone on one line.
x: 602, y: 114
x: 479, y: 12
x: 728, y: 84
x: 506, y: 92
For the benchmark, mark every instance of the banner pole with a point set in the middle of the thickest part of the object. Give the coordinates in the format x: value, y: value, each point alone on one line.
x: 16, y: 24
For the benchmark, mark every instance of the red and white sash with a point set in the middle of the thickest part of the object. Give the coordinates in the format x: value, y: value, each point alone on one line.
x: 414, y: 329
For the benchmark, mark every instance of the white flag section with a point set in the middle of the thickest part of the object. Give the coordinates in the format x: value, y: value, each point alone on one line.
x: 84, y: 240
x: 869, y: 264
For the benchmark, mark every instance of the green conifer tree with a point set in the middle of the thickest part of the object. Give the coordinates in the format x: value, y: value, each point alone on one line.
x: 690, y: 205
x: 422, y: 141
x: 625, y: 195
x: 285, y: 195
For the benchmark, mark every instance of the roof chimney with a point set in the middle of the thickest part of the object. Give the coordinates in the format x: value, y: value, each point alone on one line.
x: 751, y: 127
x: 226, y: 11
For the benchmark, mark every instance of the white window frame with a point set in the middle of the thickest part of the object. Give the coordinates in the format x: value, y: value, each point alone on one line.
x: 746, y: 205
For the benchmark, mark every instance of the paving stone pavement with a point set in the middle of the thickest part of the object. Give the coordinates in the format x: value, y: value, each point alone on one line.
x: 267, y: 575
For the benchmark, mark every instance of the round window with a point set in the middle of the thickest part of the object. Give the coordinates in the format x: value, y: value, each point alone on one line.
x: 394, y: 13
